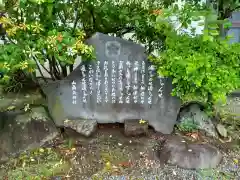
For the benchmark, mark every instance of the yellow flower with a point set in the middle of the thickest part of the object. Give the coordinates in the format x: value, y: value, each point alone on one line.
x: 11, y: 31
x: 52, y: 40
x: 141, y: 121
x: 5, y: 21
x: 23, y: 27
x: 80, y: 34
x: 6, y: 66
x: 36, y: 27
x: 78, y: 45
x: 31, y: 70
x: 24, y: 65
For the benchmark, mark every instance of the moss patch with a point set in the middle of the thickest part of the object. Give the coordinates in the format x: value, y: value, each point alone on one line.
x: 36, y: 164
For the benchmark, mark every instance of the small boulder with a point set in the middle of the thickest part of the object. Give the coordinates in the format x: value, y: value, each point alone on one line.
x: 222, y: 130
x: 176, y: 151
x: 83, y: 127
x: 24, y: 131
x: 231, y: 110
x: 135, y: 127
x: 194, y: 115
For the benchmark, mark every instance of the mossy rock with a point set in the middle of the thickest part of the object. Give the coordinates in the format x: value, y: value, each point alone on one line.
x: 18, y: 101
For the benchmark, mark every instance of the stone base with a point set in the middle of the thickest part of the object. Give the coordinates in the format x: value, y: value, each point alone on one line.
x: 83, y: 127
x: 135, y: 127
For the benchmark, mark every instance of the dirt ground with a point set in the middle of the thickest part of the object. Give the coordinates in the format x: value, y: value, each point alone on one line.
x: 108, y: 154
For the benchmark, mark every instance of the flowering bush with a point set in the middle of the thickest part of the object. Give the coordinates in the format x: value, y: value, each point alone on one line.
x: 34, y: 37
x: 54, y: 31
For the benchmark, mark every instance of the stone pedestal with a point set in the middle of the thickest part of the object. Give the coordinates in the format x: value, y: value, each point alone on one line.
x: 135, y: 127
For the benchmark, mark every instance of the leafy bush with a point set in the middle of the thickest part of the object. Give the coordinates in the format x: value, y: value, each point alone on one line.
x: 203, y: 68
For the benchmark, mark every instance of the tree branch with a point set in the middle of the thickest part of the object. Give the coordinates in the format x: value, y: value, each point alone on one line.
x: 40, y: 71
x: 56, y: 69
x: 77, y: 16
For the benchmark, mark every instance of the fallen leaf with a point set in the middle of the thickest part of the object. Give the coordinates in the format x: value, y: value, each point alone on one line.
x: 41, y: 150
x: 125, y: 164
x: 108, y: 165
x: 194, y: 135
x: 11, y: 108
x: 141, y: 121
x: 66, y: 120
x: 235, y: 161
x: 174, y: 173
x: 67, y: 176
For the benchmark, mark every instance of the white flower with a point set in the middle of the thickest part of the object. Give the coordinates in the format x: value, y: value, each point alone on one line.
x: 151, y: 68
x: 71, y: 52
x: 14, y: 41
x: 31, y: 52
x: 44, y: 51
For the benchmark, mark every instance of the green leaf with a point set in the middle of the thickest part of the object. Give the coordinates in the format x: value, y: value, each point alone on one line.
x: 227, y: 25
x: 214, y: 32
x: 136, y: 22
x: 205, y: 38
x: 212, y: 26
x: 201, y: 23
x: 50, y: 10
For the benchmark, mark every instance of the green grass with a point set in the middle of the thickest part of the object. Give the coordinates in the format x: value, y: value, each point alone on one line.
x: 38, y: 164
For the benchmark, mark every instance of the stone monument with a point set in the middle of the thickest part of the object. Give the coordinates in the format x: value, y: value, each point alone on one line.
x: 120, y: 84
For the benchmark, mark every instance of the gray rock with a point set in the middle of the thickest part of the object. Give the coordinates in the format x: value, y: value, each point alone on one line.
x: 24, y: 131
x: 84, y: 127
x: 198, y: 117
x: 176, y: 151
x: 135, y: 127
x: 222, y: 130
x: 231, y: 110
x: 18, y: 101
x: 119, y: 84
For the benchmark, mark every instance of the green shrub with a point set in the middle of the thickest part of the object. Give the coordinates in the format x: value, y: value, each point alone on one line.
x: 201, y: 69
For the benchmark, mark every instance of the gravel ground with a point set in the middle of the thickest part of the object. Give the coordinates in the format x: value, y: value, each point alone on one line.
x: 110, y: 155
